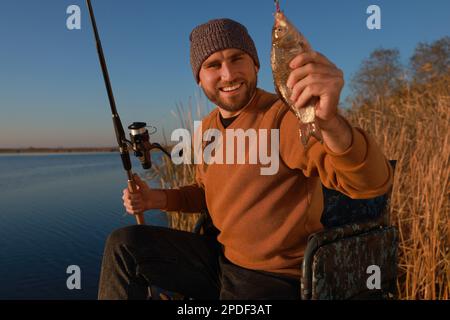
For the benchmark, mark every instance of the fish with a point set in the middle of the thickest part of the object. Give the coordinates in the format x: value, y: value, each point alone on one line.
x: 288, y: 42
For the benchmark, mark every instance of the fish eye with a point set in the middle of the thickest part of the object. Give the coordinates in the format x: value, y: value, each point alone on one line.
x: 281, y: 30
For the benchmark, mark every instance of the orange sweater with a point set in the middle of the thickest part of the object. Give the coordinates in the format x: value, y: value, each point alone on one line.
x: 265, y: 220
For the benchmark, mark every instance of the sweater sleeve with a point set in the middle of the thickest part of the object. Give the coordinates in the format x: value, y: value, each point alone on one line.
x: 362, y: 171
x: 187, y: 199
x: 190, y: 198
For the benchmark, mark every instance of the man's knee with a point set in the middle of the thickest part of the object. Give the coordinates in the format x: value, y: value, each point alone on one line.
x: 131, y: 236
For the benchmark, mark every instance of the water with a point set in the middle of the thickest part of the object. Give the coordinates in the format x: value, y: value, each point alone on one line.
x: 56, y: 210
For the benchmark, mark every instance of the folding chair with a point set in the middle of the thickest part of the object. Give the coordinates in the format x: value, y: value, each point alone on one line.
x: 355, y: 256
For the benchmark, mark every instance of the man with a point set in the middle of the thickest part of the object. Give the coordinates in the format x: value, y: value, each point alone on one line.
x: 263, y: 220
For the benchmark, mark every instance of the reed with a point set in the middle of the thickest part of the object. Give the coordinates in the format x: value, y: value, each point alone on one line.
x: 171, y: 175
x: 412, y: 126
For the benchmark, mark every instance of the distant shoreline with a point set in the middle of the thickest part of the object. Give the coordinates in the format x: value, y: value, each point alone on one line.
x: 57, y: 150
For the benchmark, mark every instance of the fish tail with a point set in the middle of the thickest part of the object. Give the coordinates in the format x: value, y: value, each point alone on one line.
x: 308, y: 130
x: 305, y: 132
x: 316, y: 132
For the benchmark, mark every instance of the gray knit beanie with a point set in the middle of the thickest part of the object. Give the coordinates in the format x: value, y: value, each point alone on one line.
x: 216, y: 35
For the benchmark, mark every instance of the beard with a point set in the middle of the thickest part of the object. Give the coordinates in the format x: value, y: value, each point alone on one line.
x: 236, y: 102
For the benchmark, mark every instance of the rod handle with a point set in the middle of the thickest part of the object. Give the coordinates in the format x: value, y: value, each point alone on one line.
x: 133, y: 189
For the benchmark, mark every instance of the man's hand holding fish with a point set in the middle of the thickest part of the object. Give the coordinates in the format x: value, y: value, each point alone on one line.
x: 314, y: 75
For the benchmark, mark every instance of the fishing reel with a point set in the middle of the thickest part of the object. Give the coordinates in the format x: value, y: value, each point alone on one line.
x: 140, y: 143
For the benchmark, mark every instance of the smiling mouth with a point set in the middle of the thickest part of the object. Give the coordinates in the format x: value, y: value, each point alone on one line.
x: 231, y: 88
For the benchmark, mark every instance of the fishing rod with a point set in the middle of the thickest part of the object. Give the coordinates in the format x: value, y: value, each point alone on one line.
x: 139, y: 143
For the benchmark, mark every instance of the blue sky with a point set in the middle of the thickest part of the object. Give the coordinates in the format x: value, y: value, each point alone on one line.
x: 51, y: 88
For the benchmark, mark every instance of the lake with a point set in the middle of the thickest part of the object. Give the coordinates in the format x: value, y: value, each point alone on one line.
x: 57, y: 210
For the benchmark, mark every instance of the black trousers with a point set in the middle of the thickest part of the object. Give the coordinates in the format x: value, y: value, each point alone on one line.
x: 193, y: 265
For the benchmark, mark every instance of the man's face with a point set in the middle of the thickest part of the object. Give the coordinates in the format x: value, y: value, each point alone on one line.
x: 229, y: 79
